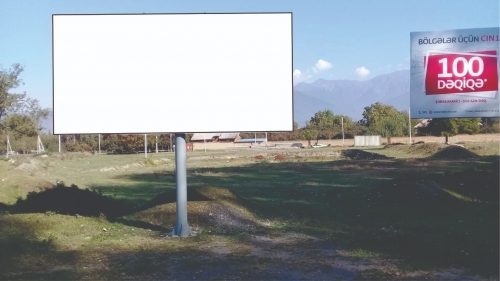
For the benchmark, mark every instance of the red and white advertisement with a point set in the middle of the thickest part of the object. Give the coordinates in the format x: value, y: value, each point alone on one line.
x: 455, y: 73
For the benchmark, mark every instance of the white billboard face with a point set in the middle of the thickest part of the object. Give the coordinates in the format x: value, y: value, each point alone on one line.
x: 172, y: 73
x: 454, y: 73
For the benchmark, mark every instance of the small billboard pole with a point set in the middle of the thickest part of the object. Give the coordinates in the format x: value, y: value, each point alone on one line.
x: 181, y: 226
x: 145, y: 146
x: 409, y: 123
x: 171, y: 142
x: 99, y: 143
x: 39, y: 146
x: 59, y: 143
x: 342, y: 131
x: 9, y: 148
x: 156, y: 139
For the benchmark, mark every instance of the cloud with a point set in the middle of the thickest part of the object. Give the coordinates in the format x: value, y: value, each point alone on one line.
x: 297, y: 73
x: 321, y: 65
x: 361, y: 72
x: 298, y: 76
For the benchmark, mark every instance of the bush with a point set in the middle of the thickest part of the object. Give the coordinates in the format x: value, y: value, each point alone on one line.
x: 279, y: 157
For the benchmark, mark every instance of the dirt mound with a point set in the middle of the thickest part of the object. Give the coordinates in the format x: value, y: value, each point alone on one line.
x: 356, y: 154
x: 425, y: 149
x: 171, y: 197
x: 31, y: 165
x: 71, y: 201
x: 454, y: 152
x: 216, y: 210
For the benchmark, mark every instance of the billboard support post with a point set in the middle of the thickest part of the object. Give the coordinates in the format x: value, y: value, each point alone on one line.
x: 145, y: 146
x: 181, y: 226
x: 409, y: 122
x: 342, y: 131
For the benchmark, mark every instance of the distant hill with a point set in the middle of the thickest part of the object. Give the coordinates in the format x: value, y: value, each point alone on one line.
x: 349, y: 97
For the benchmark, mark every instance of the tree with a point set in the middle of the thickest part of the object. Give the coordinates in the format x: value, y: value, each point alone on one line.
x: 310, y: 134
x: 20, y: 104
x: 449, y: 127
x: 385, y: 120
x: 9, y: 79
x: 20, y: 125
x: 490, y: 125
x: 323, y: 119
x: 327, y: 124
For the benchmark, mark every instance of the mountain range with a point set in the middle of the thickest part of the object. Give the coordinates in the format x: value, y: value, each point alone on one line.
x: 350, y: 97
x: 345, y: 97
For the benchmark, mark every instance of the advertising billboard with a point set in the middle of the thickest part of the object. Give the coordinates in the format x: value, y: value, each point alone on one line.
x: 178, y: 73
x: 454, y: 73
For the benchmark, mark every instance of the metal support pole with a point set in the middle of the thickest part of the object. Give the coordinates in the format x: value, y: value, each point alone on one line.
x: 99, y: 143
x: 156, y: 139
x: 342, y: 131
x: 409, y: 123
x: 59, y: 143
x: 181, y: 227
x: 145, y: 146
x: 171, y: 142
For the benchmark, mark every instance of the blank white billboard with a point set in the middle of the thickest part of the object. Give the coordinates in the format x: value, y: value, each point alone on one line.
x: 153, y: 73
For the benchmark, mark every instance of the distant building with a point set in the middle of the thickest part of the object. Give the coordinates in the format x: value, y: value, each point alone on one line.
x: 215, y: 137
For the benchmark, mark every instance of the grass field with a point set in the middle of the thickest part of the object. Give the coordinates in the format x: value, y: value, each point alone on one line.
x: 394, y: 212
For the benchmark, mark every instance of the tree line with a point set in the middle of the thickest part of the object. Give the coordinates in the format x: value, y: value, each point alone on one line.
x: 21, y: 117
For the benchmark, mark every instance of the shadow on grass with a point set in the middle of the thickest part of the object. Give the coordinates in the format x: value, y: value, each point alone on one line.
x: 71, y: 201
x: 21, y: 249
x: 415, y: 210
x: 74, y: 201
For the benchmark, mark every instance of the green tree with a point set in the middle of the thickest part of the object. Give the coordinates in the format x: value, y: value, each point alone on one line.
x: 328, y: 124
x: 385, y: 120
x: 310, y: 134
x: 449, y: 127
x: 20, y: 125
x: 15, y: 103
x: 490, y: 125
x: 323, y: 119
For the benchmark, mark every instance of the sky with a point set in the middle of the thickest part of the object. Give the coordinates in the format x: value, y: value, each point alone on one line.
x: 332, y: 39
